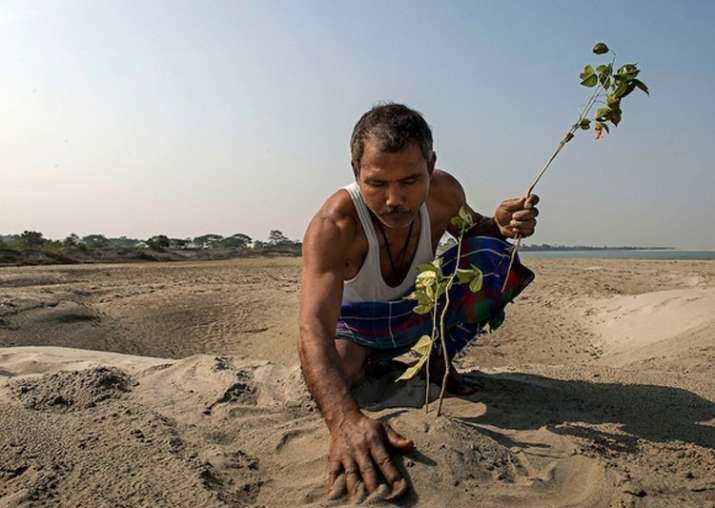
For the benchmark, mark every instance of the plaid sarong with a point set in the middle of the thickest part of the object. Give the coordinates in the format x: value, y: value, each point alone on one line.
x: 392, y: 326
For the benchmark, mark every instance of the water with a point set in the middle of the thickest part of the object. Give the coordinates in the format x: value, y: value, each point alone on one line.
x: 622, y: 254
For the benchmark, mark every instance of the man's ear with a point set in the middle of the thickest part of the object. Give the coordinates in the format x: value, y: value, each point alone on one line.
x: 432, y: 163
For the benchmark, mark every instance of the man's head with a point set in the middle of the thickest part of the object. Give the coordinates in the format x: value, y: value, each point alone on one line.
x: 393, y: 160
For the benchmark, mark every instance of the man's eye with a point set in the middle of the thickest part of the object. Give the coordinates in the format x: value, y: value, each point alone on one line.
x: 375, y: 184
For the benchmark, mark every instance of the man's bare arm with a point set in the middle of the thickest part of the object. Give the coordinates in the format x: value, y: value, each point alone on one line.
x: 323, y: 267
x: 358, y: 444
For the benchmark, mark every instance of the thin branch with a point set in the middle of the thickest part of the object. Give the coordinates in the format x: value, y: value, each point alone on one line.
x: 442, y: 335
x: 567, y: 137
x: 434, y: 337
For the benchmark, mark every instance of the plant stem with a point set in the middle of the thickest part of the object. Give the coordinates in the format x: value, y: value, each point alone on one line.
x: 434, y: 337
x: 567, y: 137
x: 441, y: 323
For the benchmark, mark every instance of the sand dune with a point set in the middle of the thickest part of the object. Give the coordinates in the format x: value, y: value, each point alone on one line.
x: 597, y: 391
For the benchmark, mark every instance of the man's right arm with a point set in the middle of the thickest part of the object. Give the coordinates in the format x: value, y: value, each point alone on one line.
x: 358, y: 444
x: 324, y: 254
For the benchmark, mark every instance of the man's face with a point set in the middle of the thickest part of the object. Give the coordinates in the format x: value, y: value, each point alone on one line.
x: 394, y: 184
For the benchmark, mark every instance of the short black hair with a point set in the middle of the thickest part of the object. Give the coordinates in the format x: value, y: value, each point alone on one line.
x: 392, y: 126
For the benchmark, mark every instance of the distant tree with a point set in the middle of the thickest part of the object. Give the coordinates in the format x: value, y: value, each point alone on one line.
x: 208, y: 240
x: 276, y: 237
x: 95, y: 241
x: 178, y: 243
x: 237, y: 241
x: 71, y: 241
x: 31, y: 240
x: 158, y: 242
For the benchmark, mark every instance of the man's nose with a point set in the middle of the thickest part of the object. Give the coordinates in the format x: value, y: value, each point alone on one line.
x: 394, y: 196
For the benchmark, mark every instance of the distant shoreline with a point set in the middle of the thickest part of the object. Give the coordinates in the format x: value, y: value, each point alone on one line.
x: 586, y: 248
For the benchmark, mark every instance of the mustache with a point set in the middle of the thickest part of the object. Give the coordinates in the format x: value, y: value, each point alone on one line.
x: 397, y: 210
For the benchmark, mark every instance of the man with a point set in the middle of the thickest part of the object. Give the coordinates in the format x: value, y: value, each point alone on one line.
x: 364, y: 245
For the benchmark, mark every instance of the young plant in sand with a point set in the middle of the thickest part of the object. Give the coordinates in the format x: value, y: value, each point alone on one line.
x: 430, y: 286
x: 610, y: 88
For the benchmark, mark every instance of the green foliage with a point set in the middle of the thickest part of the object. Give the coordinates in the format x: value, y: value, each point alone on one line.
x: 600, y: 48
x: 31, y: 240
x: 431, y: 285
x: 95, y: 241
x: 612, y: 87
x: 423, y: 349
x: 71, y: 241
x: 158, y: 242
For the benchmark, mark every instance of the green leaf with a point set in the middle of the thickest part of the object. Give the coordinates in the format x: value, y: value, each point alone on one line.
x: 600, y: 48
x: 465, y: 215
x: 605, y: 80
x: 426, y: 267
x: 630, y: 86
x: 620, y: 89
x: 605, y: 69
x: 640, y: 85
x: 603, y: 113
x: 464, y: 275
x: 585, y: 124
x: 422, y: 309
x: 628, y: 71
x: 615, y: 117
x: 587, y: 72
x: 423, y: 348
x: 413, y: 370
x: 476, y: 283
x: 613, y: 102
x: 590, y: 81
x: 457, y: 222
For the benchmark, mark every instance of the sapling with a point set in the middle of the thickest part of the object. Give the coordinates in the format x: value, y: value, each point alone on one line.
x: 432, y: 284
x: 609, y: 90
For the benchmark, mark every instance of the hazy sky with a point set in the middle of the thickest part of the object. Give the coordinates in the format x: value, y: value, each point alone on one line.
x: 182, y: 118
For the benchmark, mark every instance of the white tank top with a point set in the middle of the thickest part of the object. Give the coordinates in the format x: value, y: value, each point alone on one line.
x: 368, y: 285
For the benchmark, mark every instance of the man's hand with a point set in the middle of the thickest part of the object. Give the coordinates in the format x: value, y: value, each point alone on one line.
x: 517, y: 217
x: 359, y: 458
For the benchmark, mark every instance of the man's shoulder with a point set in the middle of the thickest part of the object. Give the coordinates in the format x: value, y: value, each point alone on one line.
x: 445, y: 190
x: 336, y: 217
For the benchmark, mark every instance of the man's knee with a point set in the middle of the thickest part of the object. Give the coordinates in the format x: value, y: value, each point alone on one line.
x: 352, y: 359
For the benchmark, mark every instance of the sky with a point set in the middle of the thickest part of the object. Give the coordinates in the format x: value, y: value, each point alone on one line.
x: 182, y: 118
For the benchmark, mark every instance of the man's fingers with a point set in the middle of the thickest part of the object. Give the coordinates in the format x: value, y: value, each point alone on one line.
x: 512, y: 205
x: 531, y: 201
x: 367, y: 470
x: 337, y: 488
x: 335, y: 470
x: 352, y: 476
x: 388, y: 469
x: 397, y: 440
x: 525, y: 214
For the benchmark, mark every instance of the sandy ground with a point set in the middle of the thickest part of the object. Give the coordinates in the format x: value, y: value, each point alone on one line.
x: 176, y: 384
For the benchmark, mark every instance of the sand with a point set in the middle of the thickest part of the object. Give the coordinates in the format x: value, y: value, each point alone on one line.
x: 176, y: 384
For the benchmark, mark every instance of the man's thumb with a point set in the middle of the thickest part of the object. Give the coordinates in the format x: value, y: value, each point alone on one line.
x: 396, y: 440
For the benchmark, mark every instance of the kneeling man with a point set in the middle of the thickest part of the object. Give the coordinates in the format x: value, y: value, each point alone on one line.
x: 364, y: 245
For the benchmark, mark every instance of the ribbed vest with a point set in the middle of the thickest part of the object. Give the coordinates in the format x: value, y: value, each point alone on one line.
x: 368, y: 285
